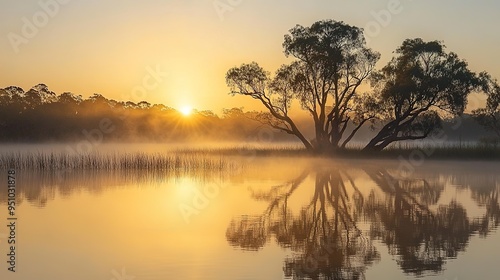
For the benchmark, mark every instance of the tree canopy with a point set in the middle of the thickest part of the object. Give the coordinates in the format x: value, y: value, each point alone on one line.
x: 489, y: 116
x: 406, y: 99
x: 331, y: 62
x: 416, y: 88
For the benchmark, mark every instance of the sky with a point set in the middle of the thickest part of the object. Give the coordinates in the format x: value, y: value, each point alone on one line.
x: 176, y: 52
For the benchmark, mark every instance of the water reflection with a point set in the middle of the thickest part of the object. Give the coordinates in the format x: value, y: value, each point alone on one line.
x: 332, y: 234
x: 422, y: 238
x: 332, y: 220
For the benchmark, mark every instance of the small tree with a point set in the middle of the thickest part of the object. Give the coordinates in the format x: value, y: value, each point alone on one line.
x: 489, y: 117
x: 416, y: 88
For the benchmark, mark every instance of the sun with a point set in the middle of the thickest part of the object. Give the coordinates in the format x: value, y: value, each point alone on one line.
x: 186, y: 110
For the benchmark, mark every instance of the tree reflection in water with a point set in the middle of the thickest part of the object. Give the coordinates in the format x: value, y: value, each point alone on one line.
x: 420, y: 237
x: 325, y: 236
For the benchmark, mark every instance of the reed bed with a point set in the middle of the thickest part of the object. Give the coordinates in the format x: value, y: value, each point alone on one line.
x: 114, y: 161
x: 455, y: 151
x: 246, y: 151
x: 223, y: 159
x: 463, y: 151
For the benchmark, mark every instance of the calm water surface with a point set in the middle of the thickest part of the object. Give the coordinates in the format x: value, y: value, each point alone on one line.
x: 281, y: 218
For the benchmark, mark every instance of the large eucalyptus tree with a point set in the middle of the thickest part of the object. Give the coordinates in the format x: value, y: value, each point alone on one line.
x: 331, y: 62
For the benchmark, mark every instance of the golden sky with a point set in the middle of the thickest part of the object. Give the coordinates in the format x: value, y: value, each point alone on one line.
x: 111, y: 47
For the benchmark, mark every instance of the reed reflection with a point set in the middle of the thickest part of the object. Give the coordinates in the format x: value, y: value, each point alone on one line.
x: 40, y: 187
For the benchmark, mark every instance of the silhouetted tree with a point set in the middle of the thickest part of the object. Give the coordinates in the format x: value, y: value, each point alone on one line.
x: 489, y: 117
x: 332, y: 62
x: 69, y: 98
x: 41, y: 115
x: 416, y: 87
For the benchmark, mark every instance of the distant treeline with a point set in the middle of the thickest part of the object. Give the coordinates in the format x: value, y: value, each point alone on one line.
x: 40, y: 115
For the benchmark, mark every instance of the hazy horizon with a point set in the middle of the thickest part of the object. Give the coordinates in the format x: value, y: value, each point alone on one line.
x: 238, y: 139
x: 88, y: 47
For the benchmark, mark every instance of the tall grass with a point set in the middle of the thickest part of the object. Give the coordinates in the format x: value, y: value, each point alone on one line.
x: 220, y: 159
x: 455, y: 151
x: 114, y: 161
x: 443, y: 150
x: 247, y: 151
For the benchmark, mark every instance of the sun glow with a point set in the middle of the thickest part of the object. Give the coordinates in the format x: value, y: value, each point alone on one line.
x: 186, y: 110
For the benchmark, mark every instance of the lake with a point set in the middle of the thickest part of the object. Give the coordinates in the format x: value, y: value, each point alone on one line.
x: 271, y: 218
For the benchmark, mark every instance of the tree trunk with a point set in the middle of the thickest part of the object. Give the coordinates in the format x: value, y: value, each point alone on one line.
x: 378, y: 147
x: 374, y: 144
x: 301, y: 137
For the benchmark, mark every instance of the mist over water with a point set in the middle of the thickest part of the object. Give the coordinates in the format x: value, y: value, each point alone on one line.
x: 222, y: 140
x: 290, y: 217
x: 117, y: 147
